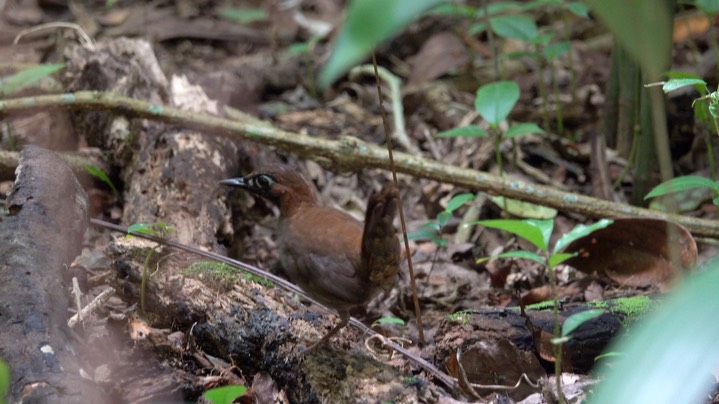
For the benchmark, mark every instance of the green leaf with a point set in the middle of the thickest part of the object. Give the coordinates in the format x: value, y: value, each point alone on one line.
x: 243, y: 15
x: 681, y: 184
x: 368, y: 23
x: 388, y: 320
x: 558, y: 258
x: 160, y: 229
x: 476, y: 28
x: 464, y: 131
x: 578, y: 8
x: 27, y: 77
x: 98, y: 173
x: 556, y: 50
x: 675, y: 84
x: 709, y: 7
x: 668, y: 355
x: 514, y: 27
x: 224, y: 394
x: 4, y: 379
x: 495, y: 101
x: 522, y: 129
x: 579, y: 231
x: 531, y: 230
x: 422, y: 234
x: 443, y: 218
x: 577, y: 319
x: 545, y: 226
x: 454, y: 10
x: 457, y: 201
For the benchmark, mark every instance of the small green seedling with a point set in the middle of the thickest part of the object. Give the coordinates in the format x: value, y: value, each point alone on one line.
x: 159, y: 229
x: 572, y: 322
x: 99, y: 174
x: 538, y: 233
x: 494, y: 102
x: 433, y: 230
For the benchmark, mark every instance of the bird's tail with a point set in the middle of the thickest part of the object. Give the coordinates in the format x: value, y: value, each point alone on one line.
x: 380, y: 248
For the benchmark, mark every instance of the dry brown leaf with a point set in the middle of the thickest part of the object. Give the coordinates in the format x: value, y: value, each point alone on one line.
x: 440, y: 54
x: 636, y: 252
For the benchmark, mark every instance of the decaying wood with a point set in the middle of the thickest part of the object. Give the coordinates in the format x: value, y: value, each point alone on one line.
x: 42, y: 235
x: 171, y: 173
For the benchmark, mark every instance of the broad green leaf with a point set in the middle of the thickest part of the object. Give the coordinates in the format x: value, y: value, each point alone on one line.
x: 675, y: 84
x: 368, y: 23
x: 495, y: 101
x: 27, y: 77
x: 464, y: 131
x: 522, y: 129
x: 514, y: 27
x: 224, y: 394
x: 243, y: 15
x: 545, y: 226
x: 558, y: 258
x: 457, y: 201
x: 676, y: 74
x: 579, y: 231
x: 578, y: 8
x: 708, y: 6
x: 443, y: 218
x: 526, y: 229
x: 643, y: 27
x: 421, y: 234
x: 669, y: 353
x: 577, y: 319
x: 681, y: 184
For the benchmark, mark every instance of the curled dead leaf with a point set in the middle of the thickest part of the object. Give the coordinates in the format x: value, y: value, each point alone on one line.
x: 636, y: 252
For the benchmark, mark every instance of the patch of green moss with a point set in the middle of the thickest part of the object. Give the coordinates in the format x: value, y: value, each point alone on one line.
x: 221, y: 274
x: 632, y: 307
x: 461, y: 316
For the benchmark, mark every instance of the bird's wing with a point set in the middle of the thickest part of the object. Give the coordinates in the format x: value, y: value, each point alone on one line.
x: 320, y: 251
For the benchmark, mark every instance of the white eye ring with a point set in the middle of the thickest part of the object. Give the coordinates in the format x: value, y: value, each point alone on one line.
x: 264, y: 181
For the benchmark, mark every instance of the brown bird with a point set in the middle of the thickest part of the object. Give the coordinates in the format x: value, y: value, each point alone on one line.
x: 325, y: 251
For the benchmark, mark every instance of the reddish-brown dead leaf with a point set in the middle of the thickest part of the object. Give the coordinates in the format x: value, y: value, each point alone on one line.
x: 495, y: 362
x: 440, y: 54
x: 636, y: 252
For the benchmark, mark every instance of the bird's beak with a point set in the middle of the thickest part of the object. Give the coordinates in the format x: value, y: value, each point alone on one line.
x: 235, y: 182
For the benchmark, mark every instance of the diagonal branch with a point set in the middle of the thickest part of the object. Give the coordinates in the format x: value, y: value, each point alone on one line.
x: 352, y: 154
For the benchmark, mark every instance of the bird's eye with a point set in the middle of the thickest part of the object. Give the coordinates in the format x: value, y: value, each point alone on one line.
x: 264, y: 181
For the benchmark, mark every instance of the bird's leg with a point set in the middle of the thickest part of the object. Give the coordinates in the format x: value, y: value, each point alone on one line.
x: 344, y: 320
